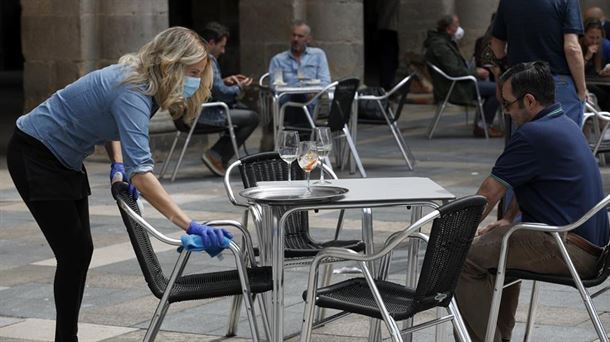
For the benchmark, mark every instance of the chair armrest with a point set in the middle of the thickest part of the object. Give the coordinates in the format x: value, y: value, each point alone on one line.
x: 228, y: 188
x: 150, y: 229
x: 387, y: 94
x: 244, y: 231
x: 224, y: 106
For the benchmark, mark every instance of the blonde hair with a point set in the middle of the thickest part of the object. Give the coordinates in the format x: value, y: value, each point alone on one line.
x: 160, y: 66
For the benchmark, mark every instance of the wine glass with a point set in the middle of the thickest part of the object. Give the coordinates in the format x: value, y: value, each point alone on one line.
x: 324, y: 145
x: 287, y: 148
x: 308, y: 158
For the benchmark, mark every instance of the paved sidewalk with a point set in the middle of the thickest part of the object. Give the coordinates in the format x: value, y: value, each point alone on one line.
x: 118, y: 305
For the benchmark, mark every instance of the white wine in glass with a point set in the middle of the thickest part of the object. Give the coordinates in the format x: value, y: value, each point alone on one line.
x: 308, y: 158
x: 324, y: 145
x: 287, y: 148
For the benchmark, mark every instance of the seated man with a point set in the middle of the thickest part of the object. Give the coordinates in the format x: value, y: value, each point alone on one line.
x: 443, y: 51
x: 226, y: 90
x: 555, y: 178
x: 300, y: 62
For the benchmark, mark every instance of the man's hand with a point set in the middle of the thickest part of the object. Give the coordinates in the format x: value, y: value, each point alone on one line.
x: 492, y: 226
x: 239, y: 79
x: 482, y: 73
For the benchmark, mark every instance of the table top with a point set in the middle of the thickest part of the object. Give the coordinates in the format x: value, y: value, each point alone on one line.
x: 597, y: 80
x: 377, y: 190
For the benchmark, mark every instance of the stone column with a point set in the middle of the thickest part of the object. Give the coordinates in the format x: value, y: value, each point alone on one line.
x: 338, y: 28
x: 63, y: 40
x: 416, y: 18
x: 475, y: 17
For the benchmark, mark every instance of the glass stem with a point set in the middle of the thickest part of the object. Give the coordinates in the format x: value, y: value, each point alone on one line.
x: 308, y: 188
x: 321, y: 170
x: 289, y: 167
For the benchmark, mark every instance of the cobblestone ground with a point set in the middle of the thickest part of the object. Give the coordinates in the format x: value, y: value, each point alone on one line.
x: 118, y: 305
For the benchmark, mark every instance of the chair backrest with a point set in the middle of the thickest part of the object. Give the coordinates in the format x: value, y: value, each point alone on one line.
x: 268, y: 166
x: 341, y: 106
x: 140, y: 241
x: 450, y: 239
x: 402, y: 93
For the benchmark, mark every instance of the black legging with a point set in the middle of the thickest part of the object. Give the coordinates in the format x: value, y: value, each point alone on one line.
x: 65, y: 225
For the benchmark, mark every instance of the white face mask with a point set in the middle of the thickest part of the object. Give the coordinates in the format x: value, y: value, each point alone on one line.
x: 459, y: 34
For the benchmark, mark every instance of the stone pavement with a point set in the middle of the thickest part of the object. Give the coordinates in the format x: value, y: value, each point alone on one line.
x: 118, y: 305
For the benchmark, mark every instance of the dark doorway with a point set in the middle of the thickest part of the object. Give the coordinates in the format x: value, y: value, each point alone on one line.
x: 11, y: 69
x: 195, y: 14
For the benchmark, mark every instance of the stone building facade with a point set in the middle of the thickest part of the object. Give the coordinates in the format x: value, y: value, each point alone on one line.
x: 62, y: 40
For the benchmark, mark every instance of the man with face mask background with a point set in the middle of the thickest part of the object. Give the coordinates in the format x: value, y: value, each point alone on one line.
x: 442, y: 50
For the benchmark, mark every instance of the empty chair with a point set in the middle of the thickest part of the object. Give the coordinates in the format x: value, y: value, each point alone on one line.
x: 182, y: 127
x: 178, y: 287
x: 434, y: 70
x: 453, y: 228
x: 390, y: 117
x: 574, y: 280
x: 339, y: 115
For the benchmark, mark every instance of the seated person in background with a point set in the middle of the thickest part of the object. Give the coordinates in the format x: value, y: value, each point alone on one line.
x: 556, y: 180
x: 301, y: 62
x: 484, y: 56
x: 597, y: 13
x: 442, y: 50
x: 226, y: 90
x: 591, y: 44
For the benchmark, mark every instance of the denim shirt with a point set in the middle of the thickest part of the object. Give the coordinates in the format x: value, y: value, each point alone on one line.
x: 313, y: 63
x: 215, y: 116
x: 93, y: 110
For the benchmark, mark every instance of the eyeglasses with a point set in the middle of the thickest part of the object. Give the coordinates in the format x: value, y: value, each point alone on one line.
x: 506, y: 105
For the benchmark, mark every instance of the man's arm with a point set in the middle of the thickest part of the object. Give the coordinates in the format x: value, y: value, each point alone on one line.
x: 492, y: 190
x: 576, y: 63
x: 323, y: 71
x: 498, y: 47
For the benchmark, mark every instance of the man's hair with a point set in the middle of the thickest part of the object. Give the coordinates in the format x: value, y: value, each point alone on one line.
x: 592, y: 23
x: 444, y: 22
x: 533, y: 78
x: 299, y: 22
x: 214, y: 31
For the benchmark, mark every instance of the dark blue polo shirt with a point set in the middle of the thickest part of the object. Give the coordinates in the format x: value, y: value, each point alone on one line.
x: 535, y: 29
x: 554, y: 175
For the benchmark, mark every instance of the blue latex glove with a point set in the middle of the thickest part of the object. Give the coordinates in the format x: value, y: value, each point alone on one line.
x: 117, y: 174
x: 210, y: 237
x: 195, y: 243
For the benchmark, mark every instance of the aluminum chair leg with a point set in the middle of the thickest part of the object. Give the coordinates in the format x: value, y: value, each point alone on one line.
x: 439, y: 111
x: 157, y: 319
x: 169, y: 156
x: 352, y: 147
x: 531, y: 313
x: 458, y: 322
x: 234, y: 316
x: 402, y: 145
x: 327, y: 273
x: 480, y: 107
x: 186, y: 143
x: 263, y: 307
x: 599, y: 327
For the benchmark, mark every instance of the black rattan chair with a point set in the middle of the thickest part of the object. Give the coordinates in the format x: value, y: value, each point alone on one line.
x: 453, y: 229
x: 574, y: 280
x: 180, y: 287
x: 390, y: 117
x: 268, y: 166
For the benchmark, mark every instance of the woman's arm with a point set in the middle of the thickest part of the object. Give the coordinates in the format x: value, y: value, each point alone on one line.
x: 155, y: 194
x: 113, y: 148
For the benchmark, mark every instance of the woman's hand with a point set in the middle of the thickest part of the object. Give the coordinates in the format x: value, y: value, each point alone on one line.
x: 117, y: 174
x: 591, y: 50
x: 212, y: 238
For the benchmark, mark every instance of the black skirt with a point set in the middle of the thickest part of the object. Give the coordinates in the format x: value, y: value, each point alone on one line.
x: 39, y: 175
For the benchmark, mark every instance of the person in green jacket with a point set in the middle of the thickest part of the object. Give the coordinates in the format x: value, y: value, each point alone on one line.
x: 442, y: 50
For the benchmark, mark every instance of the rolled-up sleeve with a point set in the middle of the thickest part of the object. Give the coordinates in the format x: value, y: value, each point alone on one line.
x: 323, y: 71
x: 131, y: 111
